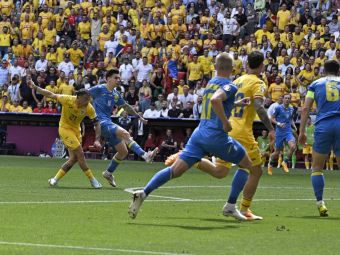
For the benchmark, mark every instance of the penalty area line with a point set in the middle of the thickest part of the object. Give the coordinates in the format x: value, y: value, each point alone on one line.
x: 86, y: 248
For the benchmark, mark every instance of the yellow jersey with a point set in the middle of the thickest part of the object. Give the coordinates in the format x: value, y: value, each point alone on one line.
x: 196, y: 71
x: 71, y: 114
x: 277, y: 90
x: 242, y: 118
x: 66, y: 89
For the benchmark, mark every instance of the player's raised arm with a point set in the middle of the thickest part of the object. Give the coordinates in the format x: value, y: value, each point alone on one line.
x: 130, y: 110
x: 44, y: 92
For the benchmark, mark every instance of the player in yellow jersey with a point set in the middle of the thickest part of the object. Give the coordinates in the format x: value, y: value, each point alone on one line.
x: 75, y: 109
x: 242, y: 118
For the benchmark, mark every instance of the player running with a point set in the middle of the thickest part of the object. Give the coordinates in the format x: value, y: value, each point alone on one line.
x: 242, y: 118
x: 307, y: 148
x: 283, y: 119
x: 325, y: 92
x: 74, y: 110
x: 105, y: 98
x: 209, y: 137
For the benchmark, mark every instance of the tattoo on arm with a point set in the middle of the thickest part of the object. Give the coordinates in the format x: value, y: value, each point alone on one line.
x: 258, y: 104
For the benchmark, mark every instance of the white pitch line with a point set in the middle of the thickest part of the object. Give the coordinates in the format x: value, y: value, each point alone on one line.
x: 85, y: 248
x: 228, y: 186
x: 153, y: 200
x: 131, y: 190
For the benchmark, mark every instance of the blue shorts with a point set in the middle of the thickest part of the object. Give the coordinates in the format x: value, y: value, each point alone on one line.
x: 327, y: 136
x: 109, y: 133
x: 281, y: 139
x: 220, y: 145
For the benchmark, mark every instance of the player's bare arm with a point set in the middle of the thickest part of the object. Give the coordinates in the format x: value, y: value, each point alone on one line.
x: 97, y: 130
x: 130, y: 110
x: 216, y: 102
x: 242, y: 102
x: 304, y: 117
x: 262, y: 113
x: 44, y: 92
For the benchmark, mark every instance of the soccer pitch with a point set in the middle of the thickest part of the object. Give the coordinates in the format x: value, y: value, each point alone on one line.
x: 183, y: 217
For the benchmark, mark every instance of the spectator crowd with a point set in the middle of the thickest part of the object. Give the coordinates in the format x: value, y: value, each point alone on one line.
x: 163, y: 49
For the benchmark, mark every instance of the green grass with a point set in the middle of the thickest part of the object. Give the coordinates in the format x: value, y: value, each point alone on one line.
x: 290, y: 226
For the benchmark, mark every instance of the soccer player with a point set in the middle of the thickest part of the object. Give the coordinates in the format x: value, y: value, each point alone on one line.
x: 242, y: 118
x: 209, y: 137
x: 74, y: 110
x: 307, y: 148
x: 325, y: 92
x: 283, y: 119
x: 263, y: 142
x: 105, y: 98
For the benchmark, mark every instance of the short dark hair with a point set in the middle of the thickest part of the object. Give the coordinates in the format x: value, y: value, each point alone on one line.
x: 83, y: 92
x: 111, y: 73
x: 255, y: 59
x: 332, y: 67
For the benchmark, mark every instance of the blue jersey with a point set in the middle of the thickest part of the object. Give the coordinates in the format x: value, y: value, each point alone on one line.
x: 104, y: 101
x: 325, y: 92
x: 209, y: 119
x: 284, y: 115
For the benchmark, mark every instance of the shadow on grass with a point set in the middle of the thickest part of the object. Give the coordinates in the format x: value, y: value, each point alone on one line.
x: 185, y: 227
x: 221, y: 220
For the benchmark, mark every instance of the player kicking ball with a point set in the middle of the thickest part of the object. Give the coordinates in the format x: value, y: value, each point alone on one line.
x: 325, y: 92
x: 74, y: 110
x: 105, y: 98
x: 209, y: 137
x: 283, y: 119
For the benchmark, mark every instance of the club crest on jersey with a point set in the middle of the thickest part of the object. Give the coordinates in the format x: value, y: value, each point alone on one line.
x: 227, y: 87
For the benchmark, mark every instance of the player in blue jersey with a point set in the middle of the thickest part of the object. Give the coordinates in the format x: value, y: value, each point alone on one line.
x: 325, y: 92
x: 105, y: 98
x: 209, y: 137
x: 283, y: 119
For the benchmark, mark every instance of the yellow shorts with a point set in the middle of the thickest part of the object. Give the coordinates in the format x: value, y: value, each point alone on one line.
x: 307, y: 149
x: 70, y: 138
x: 252, y: 149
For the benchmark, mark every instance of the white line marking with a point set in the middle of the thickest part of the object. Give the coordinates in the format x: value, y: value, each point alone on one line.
x: 85, y: 248
x: 131, y: 190
x: 228, y: 186
x: 153, y: 200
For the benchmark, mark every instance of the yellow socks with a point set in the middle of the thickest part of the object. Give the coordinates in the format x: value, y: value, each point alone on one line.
x: 307, y: 164
x: 280, y: 161
x: 60, y: 174
x: 89, y: 174
x: 198, y: 165
x: 245, y: 204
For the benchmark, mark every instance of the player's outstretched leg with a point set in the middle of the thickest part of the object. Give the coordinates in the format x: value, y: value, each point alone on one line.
x: 87, y: 171
x: 272, y: 157
x: 159, y: 179
x: 122, y: 152
x: 64, y: 169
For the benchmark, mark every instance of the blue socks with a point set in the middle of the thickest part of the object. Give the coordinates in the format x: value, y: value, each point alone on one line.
x: 136, y: 148
x: 318, y: 182
x: 239, y: 180
x: 113, y: 165
x: 158, y: 180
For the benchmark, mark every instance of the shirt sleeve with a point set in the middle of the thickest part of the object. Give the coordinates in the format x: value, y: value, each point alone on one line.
x: 94, y: 91
x: 229, y: 90
x: 276, y: 111
x: 311, y: 91
x: 121, y: 100
x: 63, y: 99
x: 259, y: 88
x: 91, y: 112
